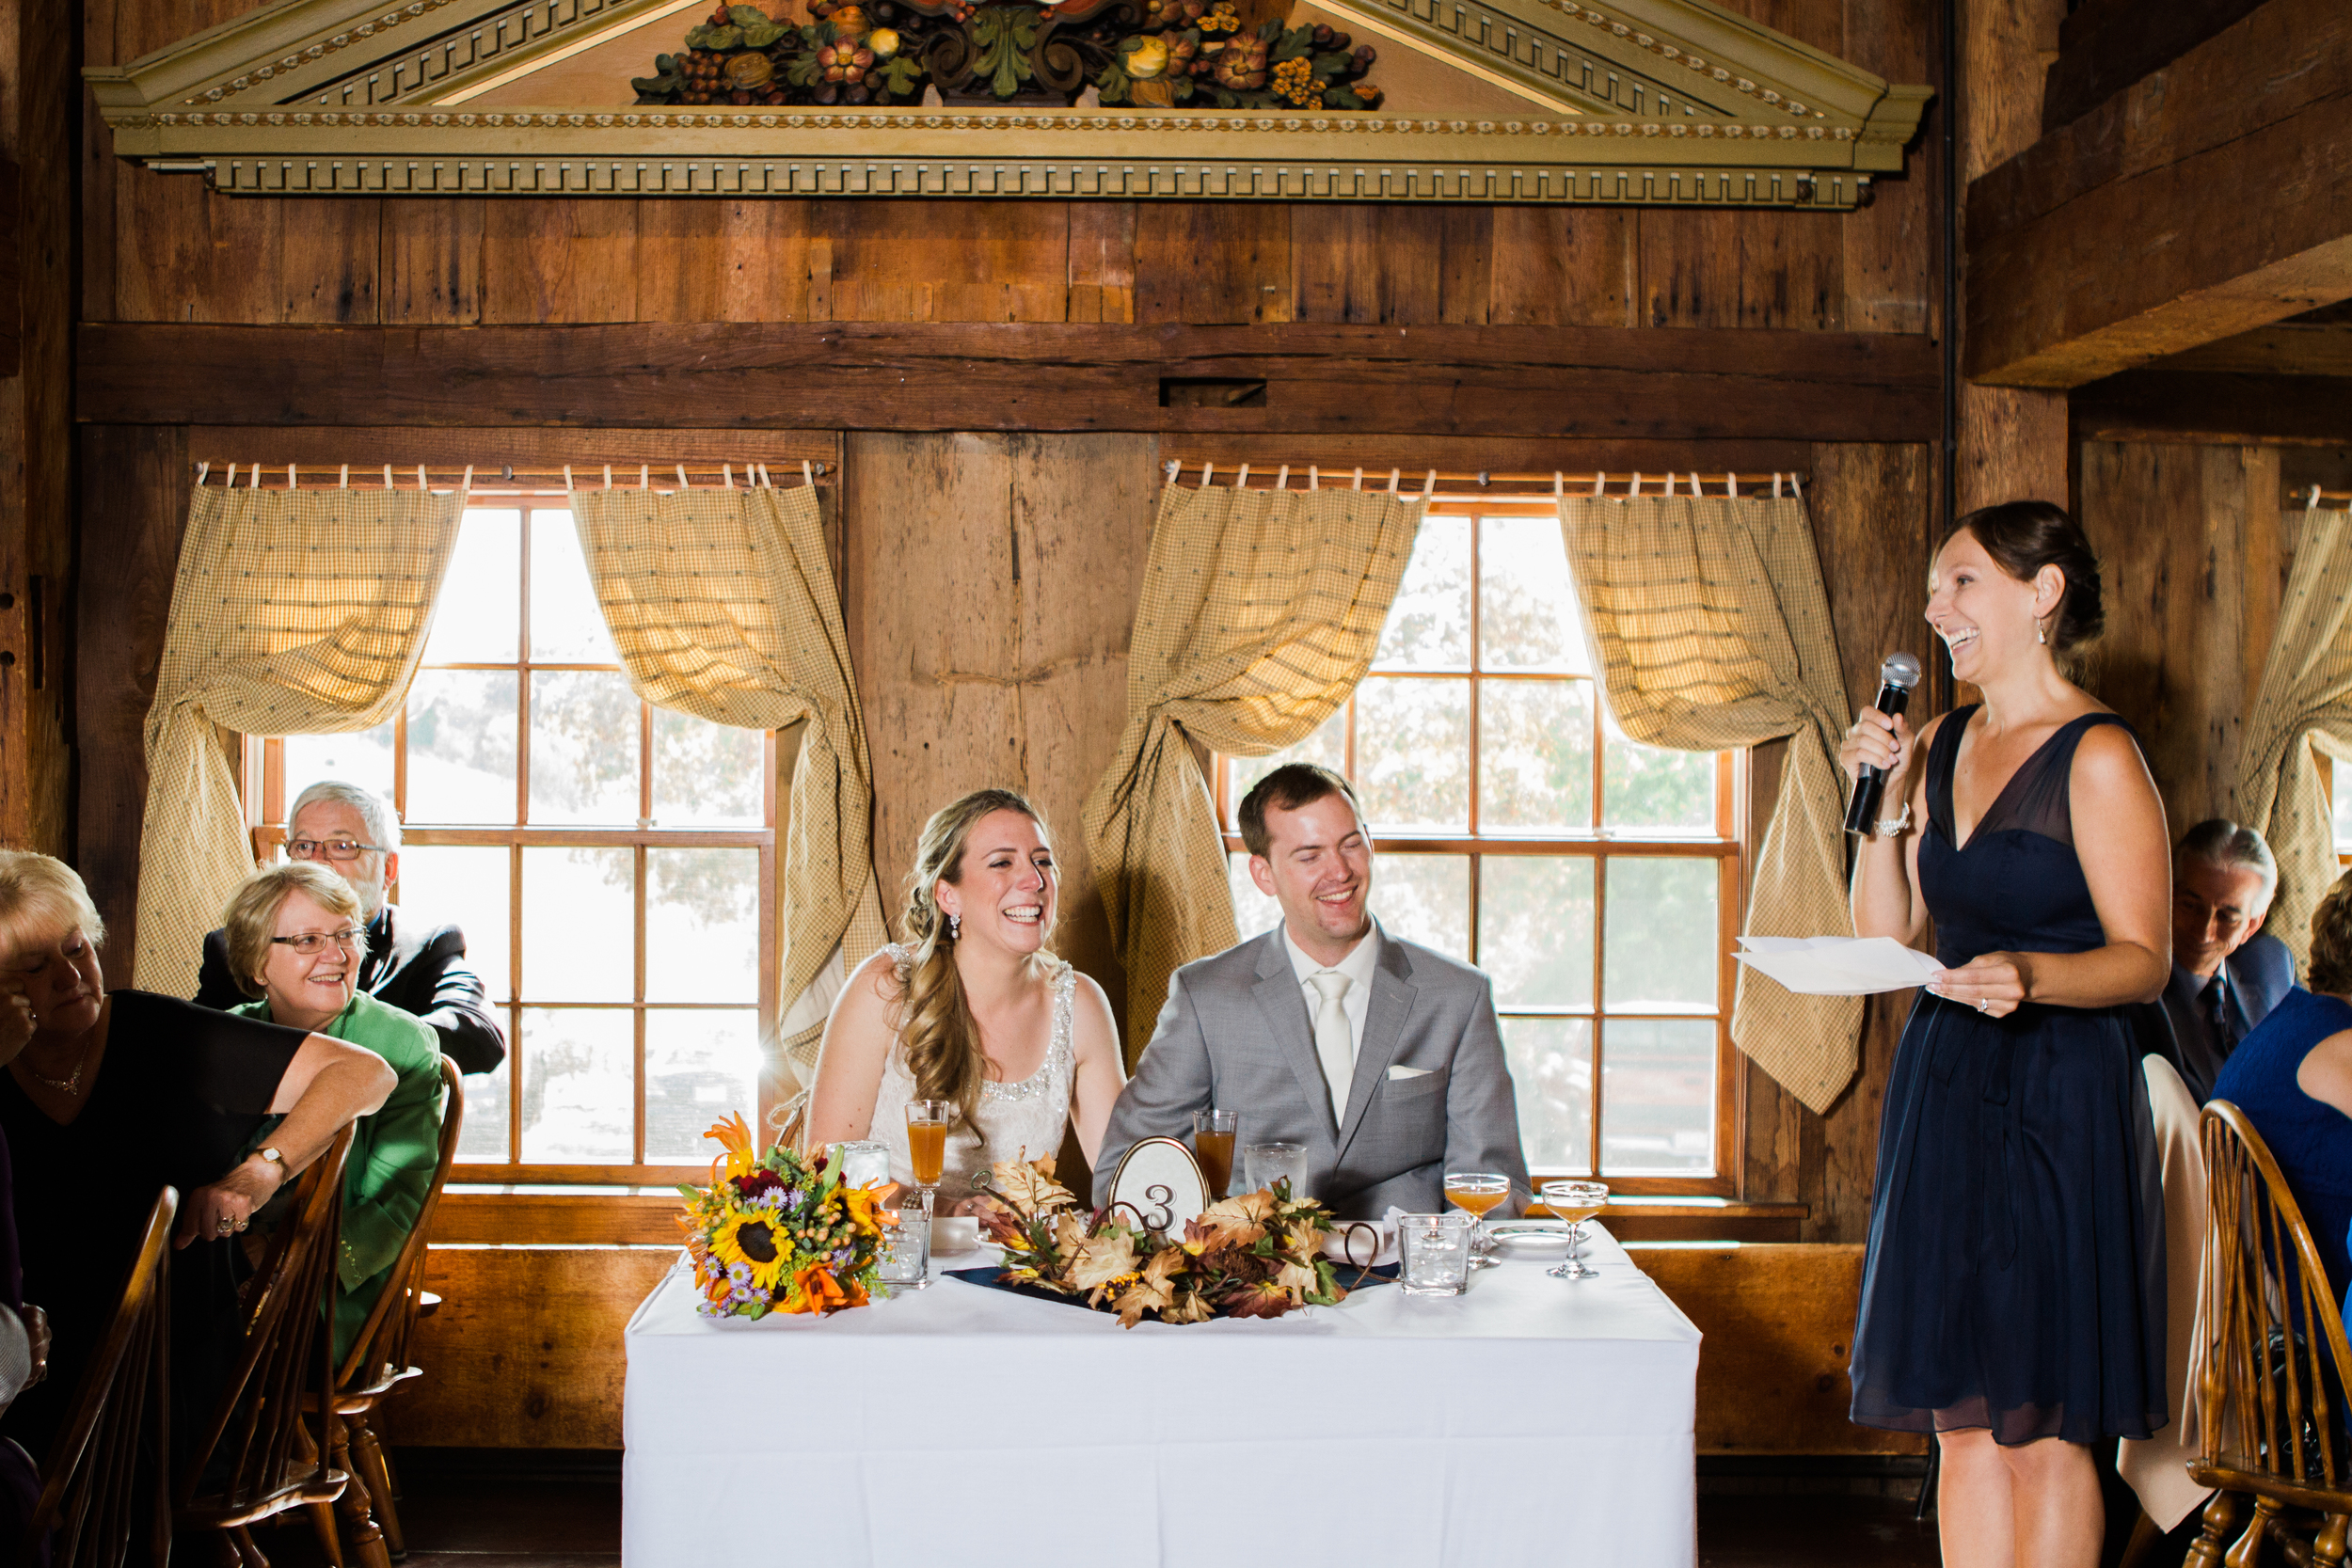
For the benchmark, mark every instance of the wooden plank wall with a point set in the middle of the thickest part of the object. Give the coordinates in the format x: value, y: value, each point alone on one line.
x: 36, y: 217
x: 2194, y: 549
x: 160, y: 247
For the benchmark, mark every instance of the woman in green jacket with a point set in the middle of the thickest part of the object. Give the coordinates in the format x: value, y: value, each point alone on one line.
x: 295, y: 940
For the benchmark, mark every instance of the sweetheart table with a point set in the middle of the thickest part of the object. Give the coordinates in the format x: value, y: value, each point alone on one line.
x: 1529, y: 1419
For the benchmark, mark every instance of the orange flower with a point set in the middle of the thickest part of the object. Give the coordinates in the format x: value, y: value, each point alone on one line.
x: 740, y: 1157
x: 813, y: 1290
x: 870, y: 1208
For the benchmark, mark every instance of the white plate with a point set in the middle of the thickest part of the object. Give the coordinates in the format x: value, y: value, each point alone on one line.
x: 1530, y: 1235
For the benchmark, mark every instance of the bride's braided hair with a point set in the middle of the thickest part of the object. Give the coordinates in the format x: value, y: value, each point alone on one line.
x: 933, y: 1018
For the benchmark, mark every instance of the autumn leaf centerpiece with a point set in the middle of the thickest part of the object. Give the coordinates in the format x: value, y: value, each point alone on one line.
x: 780, y: 1232
x: 1258, y: 1255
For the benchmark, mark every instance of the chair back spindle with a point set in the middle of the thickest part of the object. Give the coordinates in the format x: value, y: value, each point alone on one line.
x: 255, y: 1457
x: 380, y: 1350
x: 105, y: 1483
x: 2271, y: 1378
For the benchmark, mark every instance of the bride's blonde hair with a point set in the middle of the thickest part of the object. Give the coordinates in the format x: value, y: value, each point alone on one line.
x: 934, y: 1021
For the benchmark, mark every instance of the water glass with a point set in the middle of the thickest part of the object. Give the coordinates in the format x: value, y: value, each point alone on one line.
x: 1435, y: 1250
x: 863, y: 1163
x: 903, y: 1257
x: 1263, y: 1165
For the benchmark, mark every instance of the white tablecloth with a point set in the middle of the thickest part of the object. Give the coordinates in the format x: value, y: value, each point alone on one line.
x: 1528, y: 1421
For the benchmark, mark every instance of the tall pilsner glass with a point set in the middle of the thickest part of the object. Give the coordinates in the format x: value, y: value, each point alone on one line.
x: 927, y: 1149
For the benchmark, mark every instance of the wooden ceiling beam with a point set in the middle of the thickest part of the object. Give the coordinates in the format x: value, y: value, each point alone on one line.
x: 1605, y: 382
x: 2179, y: 405
x: 2209, y: 198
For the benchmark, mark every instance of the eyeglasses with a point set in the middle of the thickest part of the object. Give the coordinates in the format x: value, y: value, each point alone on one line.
x: 330, y: 849
x: 349, y: 938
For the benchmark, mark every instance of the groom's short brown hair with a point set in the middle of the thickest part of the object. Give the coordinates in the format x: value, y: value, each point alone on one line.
x: 1287, y: 789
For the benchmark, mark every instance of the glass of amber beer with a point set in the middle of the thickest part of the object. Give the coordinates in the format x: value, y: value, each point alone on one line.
x: 1213, y: 1135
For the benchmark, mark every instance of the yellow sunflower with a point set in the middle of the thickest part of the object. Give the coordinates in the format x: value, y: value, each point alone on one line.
x: 753, y: 1237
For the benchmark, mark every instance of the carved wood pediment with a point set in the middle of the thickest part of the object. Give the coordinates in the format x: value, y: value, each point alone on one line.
x: 1672, y: 102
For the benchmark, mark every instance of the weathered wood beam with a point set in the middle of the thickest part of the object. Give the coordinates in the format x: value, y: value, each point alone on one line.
x: 2285, y: 349
x: 2187, y: 406
x: 2211, y: 198
x: 1549, y: 381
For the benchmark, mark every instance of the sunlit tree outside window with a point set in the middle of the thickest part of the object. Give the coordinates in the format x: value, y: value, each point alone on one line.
x: 1596, y: 879
x: 611, y: 863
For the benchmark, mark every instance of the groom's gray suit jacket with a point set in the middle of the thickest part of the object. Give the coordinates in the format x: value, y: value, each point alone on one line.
x: 1236, y: 1033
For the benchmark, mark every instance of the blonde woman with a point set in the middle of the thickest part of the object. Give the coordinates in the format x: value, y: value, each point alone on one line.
x: 296, y: 938
x: 115, y: 1093
x: 972, y: 1008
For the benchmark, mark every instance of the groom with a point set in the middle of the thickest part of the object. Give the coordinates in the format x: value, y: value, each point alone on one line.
x: 1379, y: 1055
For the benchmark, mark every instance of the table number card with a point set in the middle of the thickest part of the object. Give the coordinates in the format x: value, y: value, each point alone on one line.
x: 1161, y: 1184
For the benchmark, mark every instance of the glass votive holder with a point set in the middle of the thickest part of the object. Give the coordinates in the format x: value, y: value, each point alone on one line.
x: 903, y: 1257
x: 1434, y: 1251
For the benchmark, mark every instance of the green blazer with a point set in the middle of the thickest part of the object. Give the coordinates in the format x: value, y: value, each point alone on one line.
x: 392, y: 1154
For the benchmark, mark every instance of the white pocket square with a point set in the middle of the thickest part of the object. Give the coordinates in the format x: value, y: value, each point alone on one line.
x: 1397, y: 1073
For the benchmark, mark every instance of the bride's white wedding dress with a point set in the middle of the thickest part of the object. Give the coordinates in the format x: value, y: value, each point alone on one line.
x: 1022, y: 1121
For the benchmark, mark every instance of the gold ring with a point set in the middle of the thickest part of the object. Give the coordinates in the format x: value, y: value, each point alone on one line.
x: 225, y: 1226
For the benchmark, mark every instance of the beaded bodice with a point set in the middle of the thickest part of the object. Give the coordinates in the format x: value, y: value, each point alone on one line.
x: 1022, y: 1121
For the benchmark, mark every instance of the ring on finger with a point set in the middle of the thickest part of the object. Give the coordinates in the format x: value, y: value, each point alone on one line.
x: 224, y: 1225
x: 1983, y: 1007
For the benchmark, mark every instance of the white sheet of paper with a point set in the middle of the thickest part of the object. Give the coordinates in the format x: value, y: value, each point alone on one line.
x: 1837, y: 966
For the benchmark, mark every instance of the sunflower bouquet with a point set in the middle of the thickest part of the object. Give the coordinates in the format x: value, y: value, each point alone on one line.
x: 780, y: 1232
x: 1255, y: 1256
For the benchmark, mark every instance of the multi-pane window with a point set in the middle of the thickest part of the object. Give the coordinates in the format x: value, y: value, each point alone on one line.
x: 1597, y: 881
x: 611, y: 863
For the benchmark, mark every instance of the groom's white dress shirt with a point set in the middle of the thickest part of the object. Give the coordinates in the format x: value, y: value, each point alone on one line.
x: 1356, y: 1002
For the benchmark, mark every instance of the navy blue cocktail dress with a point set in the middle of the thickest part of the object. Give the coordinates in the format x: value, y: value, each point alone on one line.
x: 2015, y: 1274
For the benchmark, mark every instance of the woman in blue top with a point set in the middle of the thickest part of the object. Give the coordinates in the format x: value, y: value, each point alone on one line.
x: 2293, y: 1078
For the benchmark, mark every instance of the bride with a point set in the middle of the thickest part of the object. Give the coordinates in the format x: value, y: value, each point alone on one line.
x: 972, y: 1009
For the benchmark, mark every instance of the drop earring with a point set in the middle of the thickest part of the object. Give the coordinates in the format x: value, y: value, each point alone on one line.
x: 955, y: 927
x: 2040, y: 635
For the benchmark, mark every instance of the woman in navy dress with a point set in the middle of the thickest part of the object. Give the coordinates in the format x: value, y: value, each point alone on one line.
x: 2012, y: 1299
x: 2293, y: 1078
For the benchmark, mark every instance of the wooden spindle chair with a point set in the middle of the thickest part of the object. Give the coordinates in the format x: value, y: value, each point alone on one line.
x: 106, y: 1482
x: 2271, y: 1390
x: 377, y: 1362
x: 257, y: 1459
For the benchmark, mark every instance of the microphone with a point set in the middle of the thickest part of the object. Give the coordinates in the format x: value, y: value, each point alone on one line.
x: 1897, y: 676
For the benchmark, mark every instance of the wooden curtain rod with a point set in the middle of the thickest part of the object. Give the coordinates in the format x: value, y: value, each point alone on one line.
x: 1426, y: 482
x: 543, y: 476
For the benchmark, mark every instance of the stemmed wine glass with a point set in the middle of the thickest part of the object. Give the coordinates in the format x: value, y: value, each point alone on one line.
x: 1574, y: 1202
x: 1477, y: 1190
x: 926, y: 1147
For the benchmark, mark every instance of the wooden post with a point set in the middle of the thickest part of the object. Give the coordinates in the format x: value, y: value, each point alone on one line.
x: 38, y: 92
x: 2012, y: 440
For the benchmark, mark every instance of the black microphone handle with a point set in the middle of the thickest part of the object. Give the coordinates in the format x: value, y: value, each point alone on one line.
x: 1862, y: 809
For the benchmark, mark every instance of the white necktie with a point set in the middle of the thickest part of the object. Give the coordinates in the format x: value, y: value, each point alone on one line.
x: 1335, y: 1047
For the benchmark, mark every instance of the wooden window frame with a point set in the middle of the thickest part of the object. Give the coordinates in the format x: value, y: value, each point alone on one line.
x: 267, y: 797
x: 1729, y: 846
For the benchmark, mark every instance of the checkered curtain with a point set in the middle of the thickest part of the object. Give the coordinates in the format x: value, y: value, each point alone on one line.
x: 2305, y: 703
x: 722, y: 605
x: 1260, y: 610
x: 294, y: 613
x: 1711, y: 631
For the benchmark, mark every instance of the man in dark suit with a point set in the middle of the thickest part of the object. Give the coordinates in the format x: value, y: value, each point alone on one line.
x: 412, y: 964
x: 2226, y: 976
